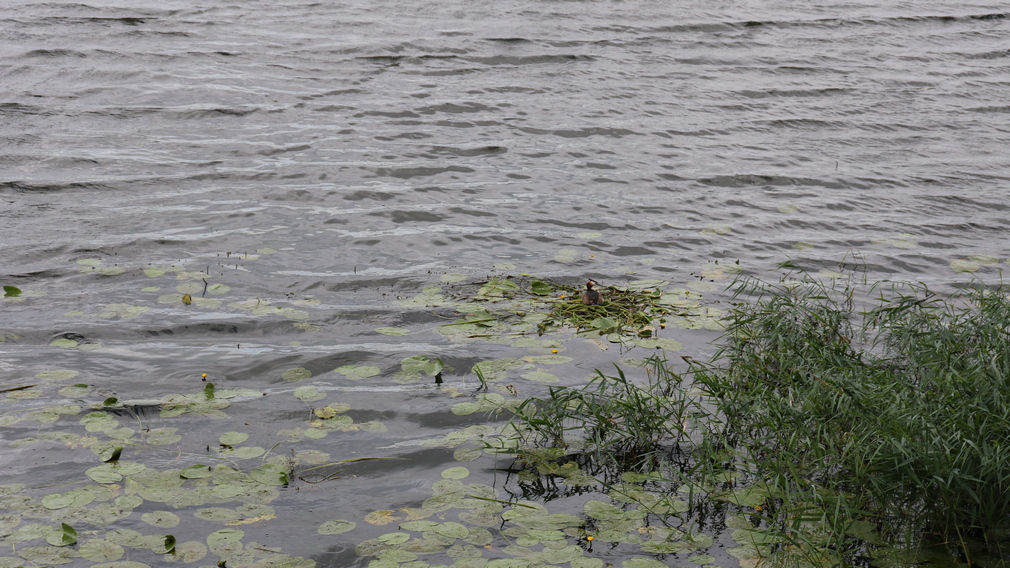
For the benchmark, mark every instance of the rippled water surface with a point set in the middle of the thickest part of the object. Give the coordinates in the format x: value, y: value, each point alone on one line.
x: 303, y: 169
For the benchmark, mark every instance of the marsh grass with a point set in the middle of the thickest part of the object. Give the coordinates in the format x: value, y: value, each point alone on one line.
x: 612, y: 419
x: 861, y: 418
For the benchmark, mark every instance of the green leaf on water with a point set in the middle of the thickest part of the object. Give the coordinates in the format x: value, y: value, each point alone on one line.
x: 541, y: 288
x: 336, y: 527
x: 197, y: 471
x: 233, y: 438
x: 11, y: 291
x: 161, y: 519
x: 216, y: 514
x: 64, y: 536
x: 296, y: 374
x: 434, y: 367
x: 357, y: 372
x: 225, y: 541
x: 308, y: 394
x: 57, y: 374
x: 169, y: 545
x: 392, y: 331
x: 639, y: 562
x: 48, y: 555
x: 114, y: 455
x: 603, y: 323
x: 540, y: 377
x: 271, y: 474
x: 455, y: 473
x: 100, y: 550
x: 451, y: 530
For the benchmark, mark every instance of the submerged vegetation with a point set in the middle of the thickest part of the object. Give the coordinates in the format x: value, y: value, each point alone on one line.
x: 845, y: 435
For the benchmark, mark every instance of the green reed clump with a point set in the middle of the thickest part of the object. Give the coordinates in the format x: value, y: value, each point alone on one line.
x: 612, y: 419
x: 896, y: 414
x: 857, y: 416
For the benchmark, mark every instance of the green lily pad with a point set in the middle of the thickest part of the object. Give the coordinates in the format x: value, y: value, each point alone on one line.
x: 113, y: 472
x: 100, y: 550
x: 191, y: 551
x: 639, y: 562
x: 57, y: 375
x: 540, y: 377
x: 309, y: 394
x: 216, y: 514
x: 271, y: 474
x: 233, y: 438
x: 565, y: 256
x: 44, y: 555
x: 161, y: 519
x: 224, y: 541
x: 296, y: 374
x: 197, y: 471
x: 451, y: 530
x: 392, y: 331
x: 336, y: 527
x: 456, y: 473
x: 357, y: 372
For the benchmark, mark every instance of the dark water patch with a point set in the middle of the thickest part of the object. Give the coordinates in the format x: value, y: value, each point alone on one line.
x: 25, y: 187
x: 632, y: 251
x: 21, y: 108
x: 402, y: 216
x: 302, y: 195
x: 513, y: 40
x: 407, y: 173
x: 374, y: 195
x: 586, y: 132
x: 198, y: 114
x: 454, y: 108
x: 388, y: 114
x: 276, y: 151
x: 471, y: 212
x: 468, y: 152
x: 512, y: 60
x: 55, y: 53
x: 405, y: 136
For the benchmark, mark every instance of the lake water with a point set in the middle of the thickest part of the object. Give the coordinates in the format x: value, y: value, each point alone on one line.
x: 302, y: 170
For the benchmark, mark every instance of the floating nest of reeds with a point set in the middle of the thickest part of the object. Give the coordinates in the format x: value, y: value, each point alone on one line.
x: 623, y: 311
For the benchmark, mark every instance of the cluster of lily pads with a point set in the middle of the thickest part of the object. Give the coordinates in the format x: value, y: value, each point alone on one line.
x: 146, y: 487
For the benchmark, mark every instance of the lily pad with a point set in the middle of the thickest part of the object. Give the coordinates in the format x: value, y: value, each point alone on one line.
x: 541, y: 377
x: 233, y: 438
x: 271, y: 474
x: 336, y: 527
x: 309, y: 394
x: 100, y: 550
x: 57, y: 375
x: 296, y: 374
x: 357, y: 372
x: 48, y: 554
x: 456, y: 473
x: 197, y: 471
x: 225, y: 541
x: 161, y: 519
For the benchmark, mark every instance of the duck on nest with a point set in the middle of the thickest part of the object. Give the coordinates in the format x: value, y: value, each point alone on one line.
x: 590, y: 296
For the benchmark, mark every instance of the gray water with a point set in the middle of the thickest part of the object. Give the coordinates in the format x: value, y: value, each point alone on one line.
x: 325, y: 159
